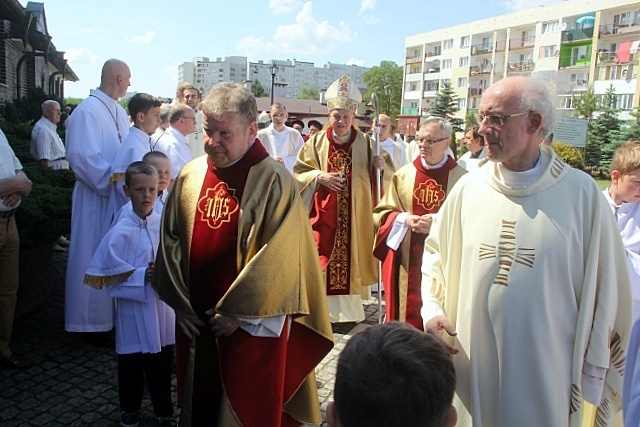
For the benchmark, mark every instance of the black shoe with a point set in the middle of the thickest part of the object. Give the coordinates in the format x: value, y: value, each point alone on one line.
x: 167, y: 422
x: 130, y: 419
x: 16, y: 362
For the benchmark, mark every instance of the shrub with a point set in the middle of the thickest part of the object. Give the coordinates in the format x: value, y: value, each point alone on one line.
x: 569, y: 154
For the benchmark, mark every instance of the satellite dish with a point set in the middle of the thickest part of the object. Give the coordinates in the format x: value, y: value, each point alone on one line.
x: 563, y: 26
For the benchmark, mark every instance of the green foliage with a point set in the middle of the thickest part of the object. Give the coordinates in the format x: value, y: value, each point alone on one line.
x: 446, y: 106
x: 469, y: 119
x: 46, y: 213
x: 604, y: 131
x: 632, y: 131
x: 585, y: 104
x: 569, y: 154
x: 258, y: 90
x: 72, y: 101
x: 386, y: 82
x: 307, y: 91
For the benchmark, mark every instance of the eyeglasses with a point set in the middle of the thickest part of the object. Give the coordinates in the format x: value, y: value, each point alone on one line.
x: 430, y: 142
x: 496, y: 120
x: 192, y: 118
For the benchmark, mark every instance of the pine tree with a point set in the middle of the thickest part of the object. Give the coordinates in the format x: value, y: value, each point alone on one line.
x: 605, y: 132
x: 258, y: 90
x: 446, y: 105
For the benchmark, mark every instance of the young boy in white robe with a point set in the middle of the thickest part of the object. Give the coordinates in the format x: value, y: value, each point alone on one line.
x: 144, y: 111
x: 623, y: 196
x: 161, y: 162
x: 145, y: 325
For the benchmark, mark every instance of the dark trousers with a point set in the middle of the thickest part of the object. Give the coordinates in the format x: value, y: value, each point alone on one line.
x: 134, y: 368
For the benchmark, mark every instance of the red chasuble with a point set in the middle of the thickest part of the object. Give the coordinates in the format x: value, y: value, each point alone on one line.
x: 331, y: 219
x: 234, y: 364
x: 429, y: 192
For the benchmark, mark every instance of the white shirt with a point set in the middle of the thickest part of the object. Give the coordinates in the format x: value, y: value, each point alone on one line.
x: 9, y: 164
x: 47, y: 145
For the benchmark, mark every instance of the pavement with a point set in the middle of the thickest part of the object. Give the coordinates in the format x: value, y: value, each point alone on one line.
x: 73, y: 381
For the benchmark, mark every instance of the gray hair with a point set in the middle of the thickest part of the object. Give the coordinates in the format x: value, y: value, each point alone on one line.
x: 177, y: 112
x: 537, y: 97
x: 444, y: 124
x: 49, y: 104
x: 228, y: 97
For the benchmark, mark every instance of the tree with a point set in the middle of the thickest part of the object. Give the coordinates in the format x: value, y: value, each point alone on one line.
x: 633, y: 129
x: 386, y: 82
x: 604, y: 132
x: 308, y: 91
x: 446, y: 105
x: 585, y: 104
x: 258, y: 90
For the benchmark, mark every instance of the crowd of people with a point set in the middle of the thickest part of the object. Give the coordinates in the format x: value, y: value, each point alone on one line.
x: 510, y: 288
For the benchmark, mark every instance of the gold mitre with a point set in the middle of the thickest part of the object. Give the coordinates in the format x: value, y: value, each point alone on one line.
x: 343, y: 94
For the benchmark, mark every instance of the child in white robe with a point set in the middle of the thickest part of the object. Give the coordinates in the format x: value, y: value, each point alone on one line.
x: 623, y: 196
x: 161, y: 162
x: 145, y: 325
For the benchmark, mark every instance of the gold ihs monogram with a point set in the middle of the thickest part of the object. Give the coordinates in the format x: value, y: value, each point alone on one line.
x: 218, y: 205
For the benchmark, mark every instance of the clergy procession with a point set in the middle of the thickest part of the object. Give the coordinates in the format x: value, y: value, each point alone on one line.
x: 208, y: 248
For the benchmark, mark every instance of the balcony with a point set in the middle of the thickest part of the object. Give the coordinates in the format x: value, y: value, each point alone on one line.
x: 518, y: 43
x: 413, y: 59
x: 413, y: 77
x: 430, y: 93
x: 613, y: 58
x: 413, y: 94
x: 501, y: 45
x: 482, y: 49
x: 480, y: 71
x: 613, y: 30
x: 577, y: 34
x: 521, y: 67
x: 475, y: 92
x: 432, y: 54
x: 410, y: 111
x: 574, y: 61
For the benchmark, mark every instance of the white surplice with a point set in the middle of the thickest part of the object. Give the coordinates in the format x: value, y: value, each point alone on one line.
x: 144, y: 323
x: 285, y: 143
x: 176, y: 146
x: 533, y: 279
x: 92, y: 144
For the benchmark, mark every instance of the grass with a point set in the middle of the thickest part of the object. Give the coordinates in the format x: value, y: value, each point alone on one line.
x: 602, y: 183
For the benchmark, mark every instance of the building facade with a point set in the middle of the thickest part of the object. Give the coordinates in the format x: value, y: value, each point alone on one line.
x: 572, y: 45
x: 291, y: 76
x: 28, y: 58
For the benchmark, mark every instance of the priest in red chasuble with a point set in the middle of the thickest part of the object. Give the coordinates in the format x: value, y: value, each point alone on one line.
x: 404, y: 216
x: 335, y: 172
x: 238, y: 263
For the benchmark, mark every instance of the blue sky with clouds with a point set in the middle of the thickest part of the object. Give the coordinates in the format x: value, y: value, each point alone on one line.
x: 154, y: 36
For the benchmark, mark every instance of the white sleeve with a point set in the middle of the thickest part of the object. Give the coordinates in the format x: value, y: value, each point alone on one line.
x: 263, y: 327
x: 430, y: 305
x: 593, y: 383
x: 398, y: 231
x: 133, y: 289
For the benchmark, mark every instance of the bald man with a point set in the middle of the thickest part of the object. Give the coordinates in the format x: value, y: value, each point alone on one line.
x: 526, y: 272
x: 94, y: 133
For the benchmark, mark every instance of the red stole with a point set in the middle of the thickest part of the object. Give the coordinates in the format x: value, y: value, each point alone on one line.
x: 331, y: 219
x: 429, y: 192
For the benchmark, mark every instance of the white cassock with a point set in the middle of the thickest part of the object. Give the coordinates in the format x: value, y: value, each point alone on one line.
x: 133, y: 149
x: 538, y: 291
x: 285, y: 143
x: 144, y: 323
x: 195, y: 139
x: 627, y: 215
x: 92, y: 145
x: 176, y: 146
x: 471, y: 163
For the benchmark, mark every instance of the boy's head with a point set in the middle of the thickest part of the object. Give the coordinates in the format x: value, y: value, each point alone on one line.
x: 161, y: 162
x: 393, y: 375
x: 141, y: 186
x: 144, y: 111
x: 625, y: 173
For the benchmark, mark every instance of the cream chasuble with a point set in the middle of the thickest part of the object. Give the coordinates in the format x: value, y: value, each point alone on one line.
x: 535, y: 282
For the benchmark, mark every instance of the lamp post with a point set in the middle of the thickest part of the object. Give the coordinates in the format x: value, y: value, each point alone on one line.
x: 273, y: 69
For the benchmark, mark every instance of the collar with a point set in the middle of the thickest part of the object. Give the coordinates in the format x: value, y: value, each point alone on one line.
x: 48, y: 123
x: 103, y: 96
x: 427, y: 166
x: 177, y: 134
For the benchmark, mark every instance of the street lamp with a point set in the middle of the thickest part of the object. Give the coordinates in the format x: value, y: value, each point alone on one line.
x: 273, y: 69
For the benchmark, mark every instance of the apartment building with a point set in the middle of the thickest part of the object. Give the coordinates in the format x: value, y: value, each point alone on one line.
x: 572, y: 45
x: 290, y: 75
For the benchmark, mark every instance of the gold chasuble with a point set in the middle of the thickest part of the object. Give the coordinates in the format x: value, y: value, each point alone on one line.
x: 341, y: 220
x: 238, y: 238
x: 417, y: 190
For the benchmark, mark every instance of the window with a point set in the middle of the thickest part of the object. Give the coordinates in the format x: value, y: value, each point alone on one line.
x: 446, y: 64
x: 447, y: 44
x: 446, y: 81
x: 414, y: 105
x: 550, y: 27
x: 463, y: 82
x: 464, y: 41
x: 464, y: 61
x: 462, y: 102
x: 437, y: 50
x: 487, y: 43
x: 547, y: 51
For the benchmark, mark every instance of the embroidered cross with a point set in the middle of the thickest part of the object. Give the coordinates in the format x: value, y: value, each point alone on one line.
x: 507, y: 253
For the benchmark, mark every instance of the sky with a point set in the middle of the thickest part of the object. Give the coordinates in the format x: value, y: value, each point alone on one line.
x: 155, y: 36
